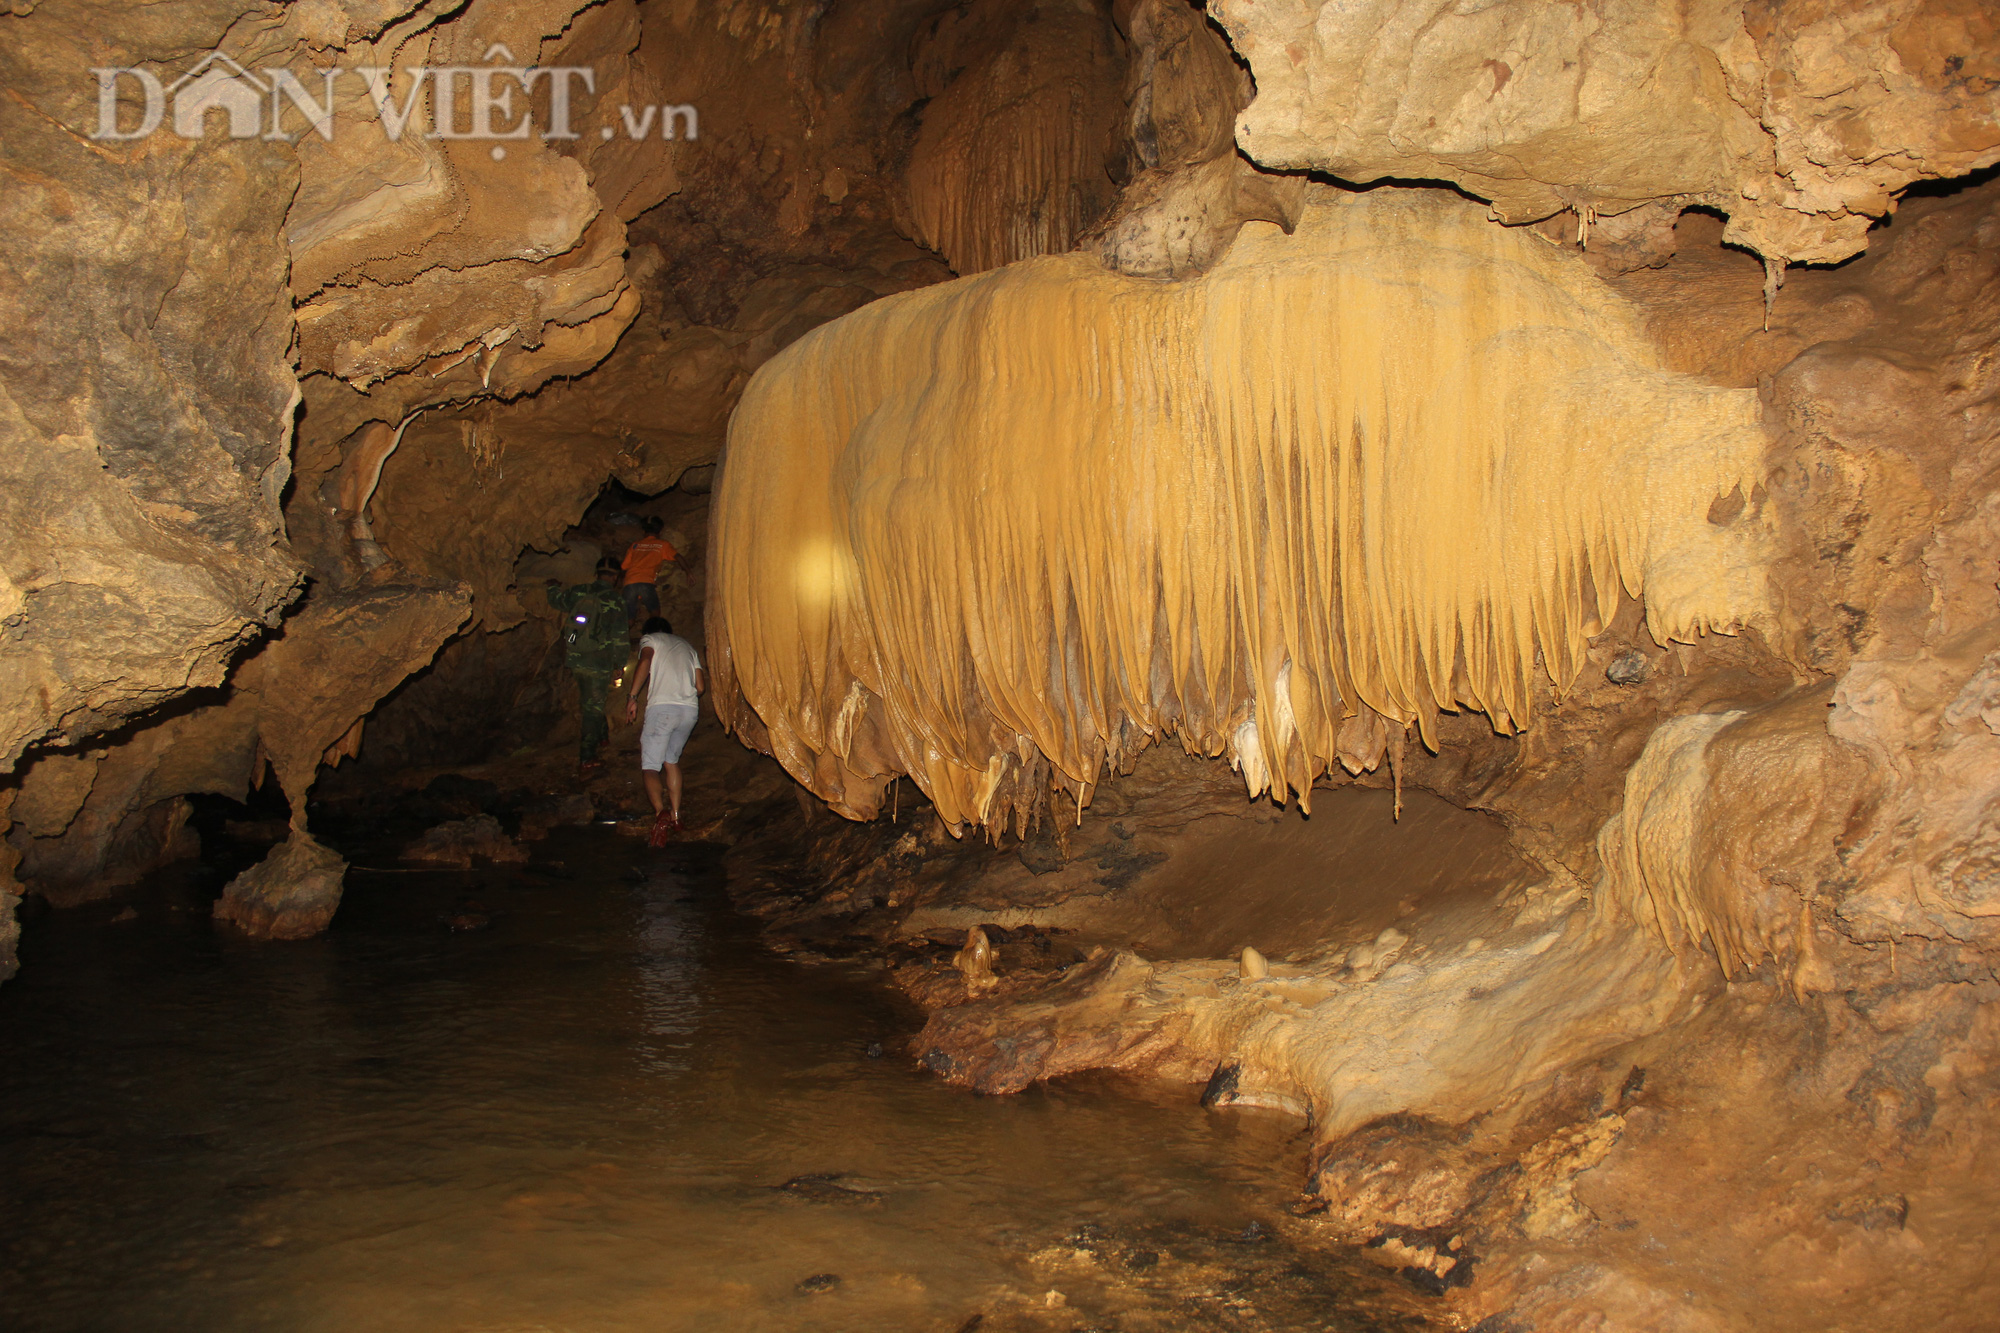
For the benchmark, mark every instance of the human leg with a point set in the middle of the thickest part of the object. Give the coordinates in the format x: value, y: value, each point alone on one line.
x: 654, y: 733
x: 593, y: 690
x: 642, y: 601
x: 660, y: 742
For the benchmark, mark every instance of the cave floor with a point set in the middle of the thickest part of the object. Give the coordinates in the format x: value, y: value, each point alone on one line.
x: 606, y: 1107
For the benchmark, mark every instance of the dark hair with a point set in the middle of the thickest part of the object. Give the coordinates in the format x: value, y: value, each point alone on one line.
x: 655, y: 625
x: 653, y: 524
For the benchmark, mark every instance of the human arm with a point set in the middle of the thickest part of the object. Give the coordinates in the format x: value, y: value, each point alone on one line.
x: 641, y: 675
x: 700, y: 681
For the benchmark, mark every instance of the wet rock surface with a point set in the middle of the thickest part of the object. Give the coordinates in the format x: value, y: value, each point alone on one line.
x: 290, y: 895
x: 464, y: 841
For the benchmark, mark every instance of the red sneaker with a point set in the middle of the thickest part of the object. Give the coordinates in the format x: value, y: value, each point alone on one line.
x: 664, y: 825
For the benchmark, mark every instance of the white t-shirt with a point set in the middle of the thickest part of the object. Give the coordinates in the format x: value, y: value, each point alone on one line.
x: 674, y: 665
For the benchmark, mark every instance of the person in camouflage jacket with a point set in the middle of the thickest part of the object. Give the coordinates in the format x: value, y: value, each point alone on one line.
x: 593, y: 627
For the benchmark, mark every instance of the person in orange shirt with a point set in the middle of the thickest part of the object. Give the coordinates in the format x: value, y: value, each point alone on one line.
x: 642, y: 568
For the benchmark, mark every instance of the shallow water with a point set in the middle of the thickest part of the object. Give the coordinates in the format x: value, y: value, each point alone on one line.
x: 577, y: 1119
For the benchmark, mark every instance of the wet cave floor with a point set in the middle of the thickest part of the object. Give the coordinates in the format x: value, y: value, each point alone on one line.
x: 609, y: 1107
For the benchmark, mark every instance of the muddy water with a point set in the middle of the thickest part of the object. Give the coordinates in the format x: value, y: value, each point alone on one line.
x: 584, y: 1117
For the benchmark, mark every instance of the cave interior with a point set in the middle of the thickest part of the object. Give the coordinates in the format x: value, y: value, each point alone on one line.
x: 1416, y: 584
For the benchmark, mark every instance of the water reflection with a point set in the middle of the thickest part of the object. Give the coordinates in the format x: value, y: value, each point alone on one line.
x: 582, y: 1118
x: 670, y: 944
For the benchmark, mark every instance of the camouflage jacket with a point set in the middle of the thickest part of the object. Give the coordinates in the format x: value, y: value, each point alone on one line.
x: 593, y: 624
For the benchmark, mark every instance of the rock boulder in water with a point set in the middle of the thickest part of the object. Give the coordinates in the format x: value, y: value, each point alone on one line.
x: 290, y: 894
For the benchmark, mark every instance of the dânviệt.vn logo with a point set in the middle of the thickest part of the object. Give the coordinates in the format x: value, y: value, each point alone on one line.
x: 465, y: 101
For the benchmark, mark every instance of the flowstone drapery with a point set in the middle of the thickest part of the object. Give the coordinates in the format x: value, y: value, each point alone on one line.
x: 1000, y: 533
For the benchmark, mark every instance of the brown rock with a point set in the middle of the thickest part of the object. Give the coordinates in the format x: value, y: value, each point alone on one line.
x: 461, y: 841
x: 289, y: 895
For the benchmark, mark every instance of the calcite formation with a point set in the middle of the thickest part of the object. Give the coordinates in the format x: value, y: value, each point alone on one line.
x: 1010, y: 160
x: 1759, y: 953
x: 290, y: 895
x: 1801, y: 123
x: 1551, y: 503
x: 1005, y: 531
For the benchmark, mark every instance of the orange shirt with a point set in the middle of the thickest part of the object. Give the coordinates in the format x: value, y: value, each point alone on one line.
x: 643, y: 560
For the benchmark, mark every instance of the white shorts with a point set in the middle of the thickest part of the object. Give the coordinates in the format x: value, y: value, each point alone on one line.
x: 665, y: 731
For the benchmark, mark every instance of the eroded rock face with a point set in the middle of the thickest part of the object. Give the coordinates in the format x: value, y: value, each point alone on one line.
x: 89, y: 823
x: 1800, y: 124
x: 144, y: 498
x: 409, y: 291
x: 1192, y: 191
x: 146, y: 394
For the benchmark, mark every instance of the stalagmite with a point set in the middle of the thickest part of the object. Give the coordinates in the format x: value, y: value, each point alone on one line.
x: 1001, y: 533
x: 975, y: 961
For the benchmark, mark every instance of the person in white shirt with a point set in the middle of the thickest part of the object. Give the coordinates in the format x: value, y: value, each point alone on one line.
x: 669, y: 674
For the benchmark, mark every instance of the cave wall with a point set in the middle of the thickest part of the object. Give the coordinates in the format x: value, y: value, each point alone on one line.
x: 359, y: 361
x: 283, y: 412
x: 147, y: 385
x: 1800, y: 123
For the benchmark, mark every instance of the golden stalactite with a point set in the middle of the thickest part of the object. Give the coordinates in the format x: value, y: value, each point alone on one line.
x: 1010, y: 161
x: 1001, y: 533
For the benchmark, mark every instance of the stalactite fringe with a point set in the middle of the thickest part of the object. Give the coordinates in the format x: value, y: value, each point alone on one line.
x: 1010, y: 529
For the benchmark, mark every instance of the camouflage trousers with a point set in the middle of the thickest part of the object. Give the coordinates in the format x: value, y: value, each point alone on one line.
x: 593, y: 691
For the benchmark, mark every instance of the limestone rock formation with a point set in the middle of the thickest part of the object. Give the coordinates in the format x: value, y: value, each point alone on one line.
x: 355, y: 272
x: 146, y: 396
x: 1192, y: 191
x: 517, y: 268
x: 1403, y: 509
x: 290, y: 895
x: 1801, y: 124
x: 1759, y: 956
x: 1010, y: 160
x: 461, y: 841
x: 89, y: 823
x: 1381, y: 468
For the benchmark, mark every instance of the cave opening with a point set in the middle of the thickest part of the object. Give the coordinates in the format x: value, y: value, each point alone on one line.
x: 968, y: 664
